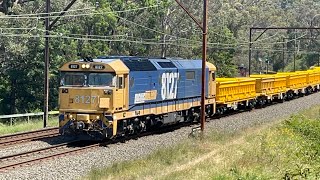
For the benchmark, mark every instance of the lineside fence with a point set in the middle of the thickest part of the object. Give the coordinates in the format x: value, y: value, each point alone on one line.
x: 12, y: 118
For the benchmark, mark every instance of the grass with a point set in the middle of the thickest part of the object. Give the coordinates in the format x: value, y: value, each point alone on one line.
x: 25, y: 126
x: 287, y: 149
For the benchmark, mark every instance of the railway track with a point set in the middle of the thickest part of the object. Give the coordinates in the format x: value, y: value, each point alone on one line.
x: 65, y: 149
x: 18, y: 138
x: 34, y: 156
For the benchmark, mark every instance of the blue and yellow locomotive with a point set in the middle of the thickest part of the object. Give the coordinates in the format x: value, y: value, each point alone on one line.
x: 116, y: 96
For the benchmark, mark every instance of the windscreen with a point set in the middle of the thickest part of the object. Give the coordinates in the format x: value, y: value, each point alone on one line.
x: 73, y: 79
x: 101, y: 79
x: 87, y: 79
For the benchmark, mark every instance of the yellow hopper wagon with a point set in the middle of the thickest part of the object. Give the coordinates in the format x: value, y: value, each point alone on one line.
x: 313, y: 80
x: 296, y: 83
x: 235, y: 93
x: 269, y: 88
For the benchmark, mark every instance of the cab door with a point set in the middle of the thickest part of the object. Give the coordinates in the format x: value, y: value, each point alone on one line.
x: 212, y: 84
x: 120, y: 95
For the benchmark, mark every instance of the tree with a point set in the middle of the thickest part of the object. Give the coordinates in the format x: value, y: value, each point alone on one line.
x: 7, y: 5
x: 146, y: 28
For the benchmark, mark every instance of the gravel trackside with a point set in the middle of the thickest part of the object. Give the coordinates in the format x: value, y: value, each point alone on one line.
x: 76, y: 166
x: 32, y: 145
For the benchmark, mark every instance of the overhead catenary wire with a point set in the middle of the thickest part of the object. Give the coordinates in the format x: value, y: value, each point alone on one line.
x: 144, y: 42
x: 239, y: 43
x: 85, y: 37
x: 56, y: 12
x: 76, y: 38
x: 77, y: 15
x: 181, y: 38
x: 160, y: 32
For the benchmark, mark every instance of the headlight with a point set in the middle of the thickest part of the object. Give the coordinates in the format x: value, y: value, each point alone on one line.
x: 98, y: 117
x: 83, y: 66
x: 69, y: 116
x: 87, y: 66
x: 107, y: 91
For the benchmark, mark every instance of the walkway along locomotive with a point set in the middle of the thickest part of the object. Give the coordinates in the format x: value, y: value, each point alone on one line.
x: 116, y: 96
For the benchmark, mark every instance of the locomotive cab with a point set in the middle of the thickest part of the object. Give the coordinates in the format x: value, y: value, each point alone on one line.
x: 89, y: 93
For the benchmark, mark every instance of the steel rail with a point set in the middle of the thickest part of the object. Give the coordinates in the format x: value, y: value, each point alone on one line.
x: 78, y: 149
x: 33, y: 151
x: 23, y: 133
x: 28, y: 136
x: 41, y: 150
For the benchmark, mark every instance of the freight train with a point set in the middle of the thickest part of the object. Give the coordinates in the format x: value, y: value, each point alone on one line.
x: 114, y: 96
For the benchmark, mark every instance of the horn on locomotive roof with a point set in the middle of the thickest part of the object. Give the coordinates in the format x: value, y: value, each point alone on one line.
x: 134, y: 54
x: 88, y: 59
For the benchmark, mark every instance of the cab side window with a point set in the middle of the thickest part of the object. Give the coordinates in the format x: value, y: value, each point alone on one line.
x: 213, y: 76
x: 190, y: 75
x: 120, y: 83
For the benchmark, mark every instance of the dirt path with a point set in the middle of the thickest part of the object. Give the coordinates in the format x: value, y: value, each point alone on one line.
x: 214, y: 156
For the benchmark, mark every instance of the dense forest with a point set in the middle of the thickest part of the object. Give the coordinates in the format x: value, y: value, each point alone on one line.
x: 147, y: 28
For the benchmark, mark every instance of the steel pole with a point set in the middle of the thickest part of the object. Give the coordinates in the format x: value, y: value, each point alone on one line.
x: 190, y: 15
x: 46, y: 68
x: 294, y: 54
x: 283, y: 65
x: 61, y: 14
x: 204, y: 57
x: 250, y: 46
x: 294, y: 61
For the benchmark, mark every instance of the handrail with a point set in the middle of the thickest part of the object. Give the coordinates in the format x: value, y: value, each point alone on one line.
x: 27, y: 115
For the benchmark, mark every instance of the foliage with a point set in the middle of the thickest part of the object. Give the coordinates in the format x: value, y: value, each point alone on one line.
x: 144, y: 28
x: 290, y: 150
